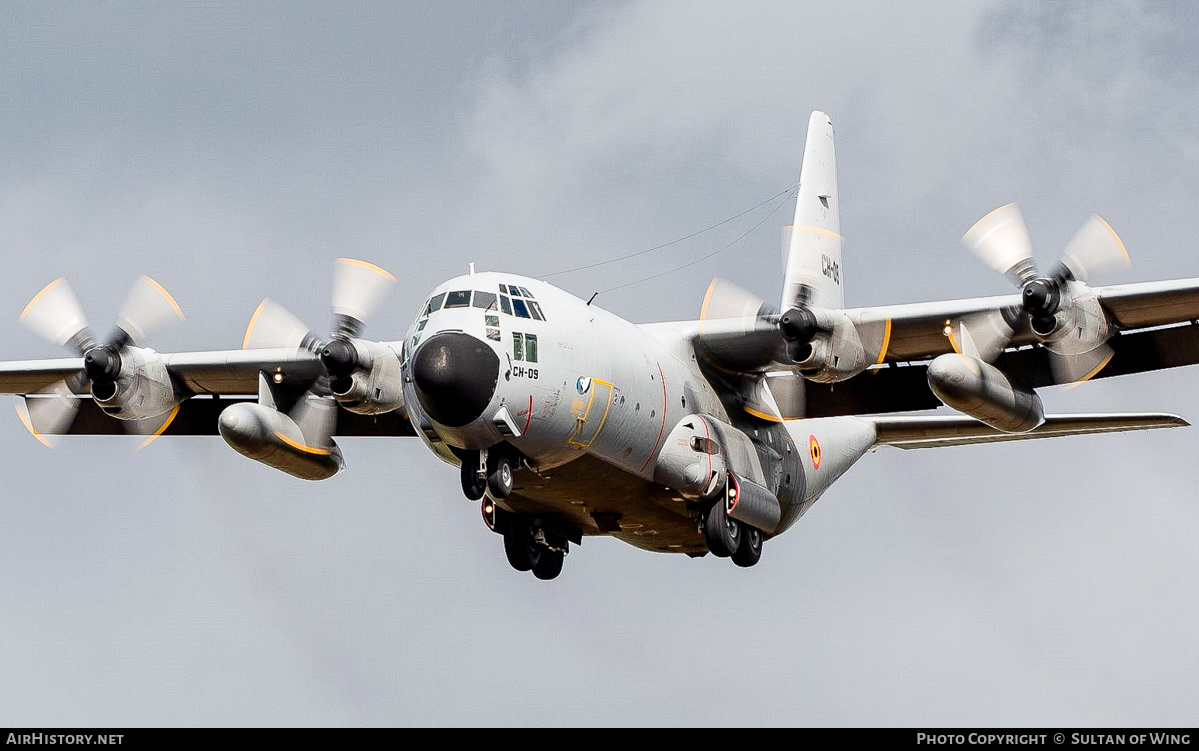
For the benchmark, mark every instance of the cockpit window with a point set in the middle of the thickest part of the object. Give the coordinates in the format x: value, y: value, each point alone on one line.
x: 433, y: 305
x: 505, y: 305
x: 485, y: 300
x: 535, y: 309
x: 518, y: 307
x: 458, y: 299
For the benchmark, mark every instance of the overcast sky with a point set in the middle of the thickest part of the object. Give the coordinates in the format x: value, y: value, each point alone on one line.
x: 234, y: 151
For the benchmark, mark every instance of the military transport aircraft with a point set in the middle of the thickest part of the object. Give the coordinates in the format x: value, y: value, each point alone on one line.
x: 566, y: 421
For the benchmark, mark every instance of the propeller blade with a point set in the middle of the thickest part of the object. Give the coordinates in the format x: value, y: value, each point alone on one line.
x: 273, y: 326
x: 725, y: 300
x: 987, y: 334
x: 1076, y: 368
x: 358, y: 287
x: 151, y: 427
x: 50, y: 411
x: 1000, y: 240
x: 55, y: 314
x: 737, y: 327
x: 316, y: 416
x: 1094, y: 248
x: 148, y: 308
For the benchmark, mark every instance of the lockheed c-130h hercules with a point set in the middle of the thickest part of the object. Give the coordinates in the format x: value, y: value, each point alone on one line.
x: 566, y: 421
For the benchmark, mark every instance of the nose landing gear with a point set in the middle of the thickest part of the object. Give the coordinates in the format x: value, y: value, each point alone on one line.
x: 488, y: 471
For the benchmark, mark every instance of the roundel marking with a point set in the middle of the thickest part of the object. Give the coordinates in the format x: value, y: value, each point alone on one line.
x: 583, y: 384
x: 814, y: 446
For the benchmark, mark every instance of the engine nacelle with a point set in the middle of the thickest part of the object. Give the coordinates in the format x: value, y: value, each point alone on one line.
x: 143, y: 389
x: 835, y: 352
x: 1079, y: 324
x: 375, y: 386
x: 272, y: 438
x: 985, y: 393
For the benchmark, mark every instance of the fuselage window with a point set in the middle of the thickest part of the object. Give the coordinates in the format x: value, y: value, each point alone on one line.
x: 458, y: 299
x: 505, y: 305
x: 484, y: 300
x: 518, y: 347
x: 518, y: 305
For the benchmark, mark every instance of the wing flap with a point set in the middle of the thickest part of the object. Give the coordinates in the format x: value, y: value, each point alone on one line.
x: 917, y: 432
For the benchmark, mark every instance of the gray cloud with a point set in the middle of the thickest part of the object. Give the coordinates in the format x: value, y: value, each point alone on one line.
x: 234, y: 151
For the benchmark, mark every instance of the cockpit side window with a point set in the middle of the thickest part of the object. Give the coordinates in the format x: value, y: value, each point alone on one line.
x: 505, y: 305
x: 485, y: 300
x: 458, y: 299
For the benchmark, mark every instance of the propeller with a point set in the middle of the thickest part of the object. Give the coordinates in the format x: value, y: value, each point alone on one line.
x: 1000, y: 240
x: 358, y: 288
x: 55, y: 314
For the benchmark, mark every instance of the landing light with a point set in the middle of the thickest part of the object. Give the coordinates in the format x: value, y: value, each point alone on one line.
x: 948, y: 330
x: 277, y: 378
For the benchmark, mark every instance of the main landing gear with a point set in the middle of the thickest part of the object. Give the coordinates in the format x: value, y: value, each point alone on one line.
x: 528, y: 545
x: 729, y: 538
x: 488, y: 471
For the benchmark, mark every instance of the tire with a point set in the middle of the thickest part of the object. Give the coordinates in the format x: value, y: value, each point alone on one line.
x: 523, y: 553
x: 749, y: 551
x: 549, y: 564
x: 499, y: 474
x: 722, y: 534
x: 472, y: 486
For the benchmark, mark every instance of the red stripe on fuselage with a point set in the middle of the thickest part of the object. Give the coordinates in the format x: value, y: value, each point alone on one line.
x: 662, y: 429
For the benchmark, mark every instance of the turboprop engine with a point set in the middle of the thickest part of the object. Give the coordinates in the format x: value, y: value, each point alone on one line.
x: 364, y: 376
x: 740, y: 332
x: 126, y: 381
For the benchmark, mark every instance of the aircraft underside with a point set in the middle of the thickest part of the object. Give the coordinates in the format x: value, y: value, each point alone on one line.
x: 589, y: 497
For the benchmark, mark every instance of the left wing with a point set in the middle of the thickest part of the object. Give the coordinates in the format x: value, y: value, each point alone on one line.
x: 918, y: 331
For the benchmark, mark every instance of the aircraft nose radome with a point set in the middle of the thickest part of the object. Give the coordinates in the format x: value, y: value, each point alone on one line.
x: 455, y: 376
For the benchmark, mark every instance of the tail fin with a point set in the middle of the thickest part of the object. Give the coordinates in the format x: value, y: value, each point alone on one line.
x: 813, y: 270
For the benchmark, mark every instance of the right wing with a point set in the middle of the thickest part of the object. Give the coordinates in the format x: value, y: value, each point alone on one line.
x: 211, y: 382
x: 918, y: 432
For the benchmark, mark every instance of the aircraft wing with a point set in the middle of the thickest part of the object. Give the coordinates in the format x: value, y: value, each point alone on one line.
x: 215, y: 380
x: 218, y: 372
x: 916, y: 331
x: 918, y: 432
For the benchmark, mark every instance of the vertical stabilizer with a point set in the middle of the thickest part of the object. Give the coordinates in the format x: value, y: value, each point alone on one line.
x: 813, y: 265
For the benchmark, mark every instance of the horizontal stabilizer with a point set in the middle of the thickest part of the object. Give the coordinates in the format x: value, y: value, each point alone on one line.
x: 933, y: 432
